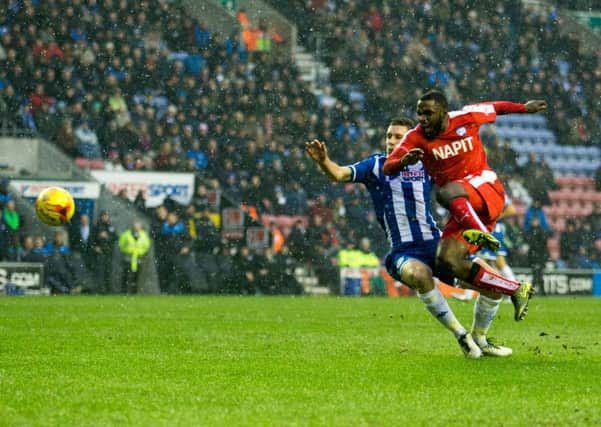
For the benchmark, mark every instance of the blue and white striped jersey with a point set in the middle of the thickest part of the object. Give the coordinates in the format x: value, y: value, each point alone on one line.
x: 401, y: 202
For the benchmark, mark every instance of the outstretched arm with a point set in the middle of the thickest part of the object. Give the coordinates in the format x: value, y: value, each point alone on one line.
x: 400, y: 158
x: 318, y: 152
x: 506, y: 107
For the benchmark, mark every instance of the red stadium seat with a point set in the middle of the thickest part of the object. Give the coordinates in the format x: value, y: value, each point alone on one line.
x: 560, y: 195
x: 569, y: 212
x: 550, y: 211
x: 595, y: 196
x: 572, y: 182
x: 563, y: 181
x: 95, y: 164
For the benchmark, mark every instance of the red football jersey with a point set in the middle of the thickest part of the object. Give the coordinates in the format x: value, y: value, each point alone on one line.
x: 458, y: 151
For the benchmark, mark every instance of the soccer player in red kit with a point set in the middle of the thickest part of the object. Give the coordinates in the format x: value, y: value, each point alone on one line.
x: 449, y: 145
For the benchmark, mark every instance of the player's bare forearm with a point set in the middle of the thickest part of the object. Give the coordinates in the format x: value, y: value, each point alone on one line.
x: 318, y: 152
x: 334, y: 171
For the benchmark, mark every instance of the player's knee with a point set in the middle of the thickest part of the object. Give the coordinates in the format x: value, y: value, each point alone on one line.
x: 419, y: 277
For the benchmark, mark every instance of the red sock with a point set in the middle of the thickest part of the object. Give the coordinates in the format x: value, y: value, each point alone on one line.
x: 490, y: 280
x: 463, y: 212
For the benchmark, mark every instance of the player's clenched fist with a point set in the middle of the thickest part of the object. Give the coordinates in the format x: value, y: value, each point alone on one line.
x: 413, y: 156
x: 535, y: 106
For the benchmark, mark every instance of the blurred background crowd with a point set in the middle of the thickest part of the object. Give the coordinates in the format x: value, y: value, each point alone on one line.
x: 143, y: 86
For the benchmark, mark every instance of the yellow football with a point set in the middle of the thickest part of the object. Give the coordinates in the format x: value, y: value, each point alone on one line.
x: 55, y: 206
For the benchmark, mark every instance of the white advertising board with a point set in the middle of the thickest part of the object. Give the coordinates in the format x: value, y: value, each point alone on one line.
x: 154, y: 185
x: 79, y: 190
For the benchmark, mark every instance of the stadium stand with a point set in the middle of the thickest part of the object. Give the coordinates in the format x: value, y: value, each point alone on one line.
x: 127, y: 86
x: 428, y: 33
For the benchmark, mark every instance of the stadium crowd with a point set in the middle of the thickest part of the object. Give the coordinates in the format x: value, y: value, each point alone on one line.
x: 143, y: 86
x: 495, y: 50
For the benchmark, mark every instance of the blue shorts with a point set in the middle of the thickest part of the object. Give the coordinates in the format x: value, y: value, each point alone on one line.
x: 424, y: 252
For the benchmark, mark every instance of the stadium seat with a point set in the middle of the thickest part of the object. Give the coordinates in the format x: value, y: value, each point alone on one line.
x: 95, y: 164
x: 570, y: 211
x: 595, y: 196
x: 559, y: 195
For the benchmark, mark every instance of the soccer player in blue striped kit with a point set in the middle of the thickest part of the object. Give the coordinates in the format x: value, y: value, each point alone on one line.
x: 402, y: 206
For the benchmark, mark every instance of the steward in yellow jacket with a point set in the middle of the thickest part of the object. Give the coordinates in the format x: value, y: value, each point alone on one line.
x: 133, y: 243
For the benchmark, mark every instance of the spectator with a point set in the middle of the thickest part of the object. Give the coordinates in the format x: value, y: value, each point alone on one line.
x: 538, y: 254
x: 208, y: 237
x: 65, y: 138
x: 103, y: 238
x: 10, y: 228
x: 5, y: 195
x: 39, y: 247
x: 134, y: 244
x: 39, y: 97
x: 118, y: 108
x: 598, y: 179
x: 244, y: 279
x: 535, y: 211
x: 87, y: 141
x: 298, y: 244
x: 59, y: 275
x: 538, y: 180
x: 80, y: 238
x: 197, y: 155
x: 58, y: 244
x: 583, y: 260
x: 175, y: 272
x: 29, y: 253
x: 296, y: 199
x: 594, y: 221
x: 569, y: 243
x: 282, y: 266
x: 277, y: 237
x: 45, y: 121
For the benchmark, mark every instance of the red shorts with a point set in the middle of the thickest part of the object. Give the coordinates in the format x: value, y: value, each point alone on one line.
x: 487, y: 196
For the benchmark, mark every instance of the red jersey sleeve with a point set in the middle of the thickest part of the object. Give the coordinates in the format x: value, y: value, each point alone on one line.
x: 481, y: 113
x: 392, y: 165
x: 506, y: 107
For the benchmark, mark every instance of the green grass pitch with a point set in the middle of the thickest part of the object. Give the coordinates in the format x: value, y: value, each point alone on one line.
x: 265, y: 361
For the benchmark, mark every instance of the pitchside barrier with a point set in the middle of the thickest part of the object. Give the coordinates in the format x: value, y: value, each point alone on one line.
x: 22, y: 278
x: 357, y: 281
x: 565, y: 282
